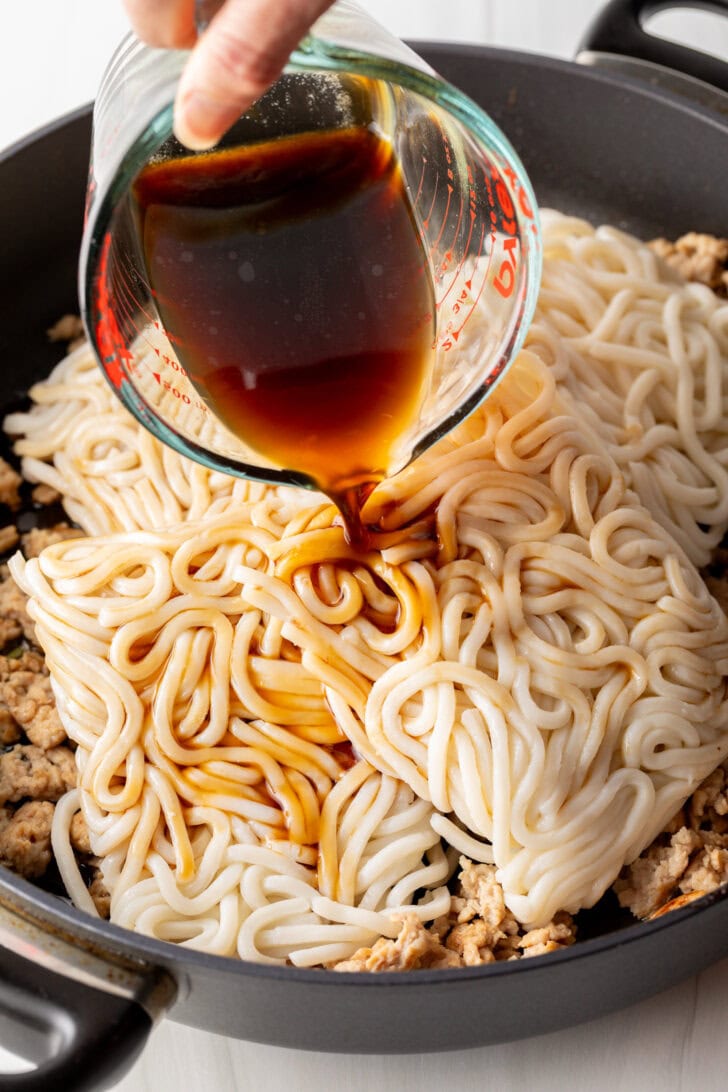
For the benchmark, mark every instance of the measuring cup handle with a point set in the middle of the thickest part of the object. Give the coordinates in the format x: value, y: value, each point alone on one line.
x: 619, y: 29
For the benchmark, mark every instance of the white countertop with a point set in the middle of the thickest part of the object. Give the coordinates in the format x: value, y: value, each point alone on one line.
x: 52, y: 54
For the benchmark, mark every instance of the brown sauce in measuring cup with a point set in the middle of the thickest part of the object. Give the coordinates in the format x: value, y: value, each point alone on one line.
x: 294, y: 283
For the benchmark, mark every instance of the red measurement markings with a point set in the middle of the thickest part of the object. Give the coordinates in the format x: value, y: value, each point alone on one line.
x: 125, y: 309
x: 129, y: 305
x: 114, y: 354
x: 116, y: 357
x: 426, y: 221
x: 126, y: 315
x: 491, y: 203
x: 126, y: 300
x: 473, y: 213
x: 505, y: 280
x: 452, y: 331
x: 422, y: 179
x: 523, y: 203
x: 197, y: 403
x: 450, y: 187
x: 171, y: 362
x: 132, y: 304
x: 175, y: 366
x: 444, y: 222
x: 138, y: 303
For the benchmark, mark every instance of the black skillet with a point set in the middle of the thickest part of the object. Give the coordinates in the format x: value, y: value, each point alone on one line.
x: 79, y: 996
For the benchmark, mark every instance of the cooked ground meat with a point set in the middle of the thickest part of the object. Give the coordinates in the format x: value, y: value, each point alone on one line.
x: 22, y: 660
x: 26, y: 699
x: 36, y: 540
x: 690, y: 857
x: 652, y: 879
x: 10, y: 732
x: 10, y: 482
x: 478, y: 929
x: 45, y: 494
x: 14, y: 617
x: 708, y: 868
x: 34, y: 770
x: 28, y: 772
x: 79, y: 834
x: 708, y: 806
x: 25, y: 839
x: 8, y: 538
x: 558, y: 934
x: 10, y: 630
x: 697, y: 258
x: 415, y: 948
x: 30, y: 700
x: 101, y: 897
x: 9, y: 729
x: 68, y: 328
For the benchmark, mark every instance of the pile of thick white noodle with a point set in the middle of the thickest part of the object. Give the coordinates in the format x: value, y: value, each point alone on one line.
x: 276, y: 738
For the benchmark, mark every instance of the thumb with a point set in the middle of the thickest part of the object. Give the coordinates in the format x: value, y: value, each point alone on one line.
x: 241, y: 54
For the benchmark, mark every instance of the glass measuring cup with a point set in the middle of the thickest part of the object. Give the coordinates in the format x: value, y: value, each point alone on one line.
x: 470, y: 202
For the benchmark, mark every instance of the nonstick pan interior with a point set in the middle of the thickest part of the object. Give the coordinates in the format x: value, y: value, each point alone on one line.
x: 606, y: 148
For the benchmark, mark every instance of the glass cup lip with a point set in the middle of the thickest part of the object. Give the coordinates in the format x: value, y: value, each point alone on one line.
x: 313, y: 54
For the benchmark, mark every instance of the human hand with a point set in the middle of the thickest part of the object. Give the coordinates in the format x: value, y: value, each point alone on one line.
x: 233, y: 62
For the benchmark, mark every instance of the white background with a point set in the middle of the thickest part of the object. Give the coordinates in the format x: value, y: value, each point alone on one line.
x: 52, y: 54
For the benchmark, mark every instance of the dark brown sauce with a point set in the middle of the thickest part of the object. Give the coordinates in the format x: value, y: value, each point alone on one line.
x: 293, y: 280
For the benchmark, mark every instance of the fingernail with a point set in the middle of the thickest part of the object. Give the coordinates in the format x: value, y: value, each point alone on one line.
x: 200, y: 121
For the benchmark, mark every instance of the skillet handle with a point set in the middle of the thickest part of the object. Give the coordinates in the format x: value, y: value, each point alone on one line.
x: 618, y: 29
x: 81, y: 1016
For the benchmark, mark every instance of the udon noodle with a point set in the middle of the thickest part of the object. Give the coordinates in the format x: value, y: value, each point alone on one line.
x: 282, y: 744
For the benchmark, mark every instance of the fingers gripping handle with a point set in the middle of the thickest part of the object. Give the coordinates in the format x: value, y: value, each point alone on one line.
x: 81, y: 1016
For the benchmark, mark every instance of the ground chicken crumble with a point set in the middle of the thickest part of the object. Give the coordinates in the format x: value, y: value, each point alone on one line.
x: 478, y: 929
x: 690, y: 858
x: 697, y: 257
x: 37, y: 763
